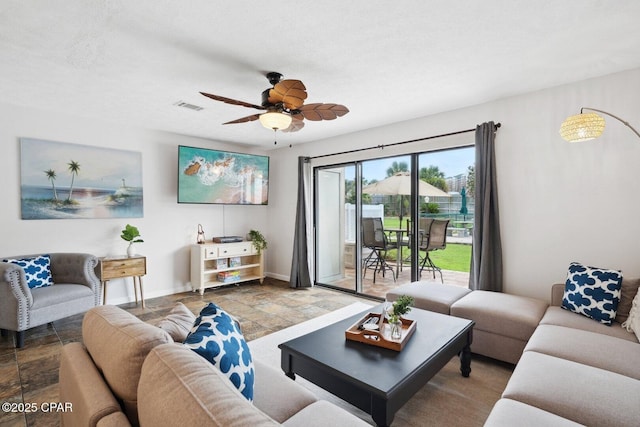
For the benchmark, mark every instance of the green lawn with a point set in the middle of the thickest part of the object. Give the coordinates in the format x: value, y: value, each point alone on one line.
x: 455, y: 257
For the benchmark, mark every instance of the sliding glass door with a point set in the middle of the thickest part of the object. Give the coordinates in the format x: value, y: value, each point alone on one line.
x: 372, y: 220
x: 335, y: 218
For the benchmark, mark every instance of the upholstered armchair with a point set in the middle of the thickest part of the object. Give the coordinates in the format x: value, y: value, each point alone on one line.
x: 30, y: 296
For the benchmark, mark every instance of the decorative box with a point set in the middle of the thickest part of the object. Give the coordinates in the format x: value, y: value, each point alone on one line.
x: 235, y: 261
x: 229, y: 276
x: 222, y: 263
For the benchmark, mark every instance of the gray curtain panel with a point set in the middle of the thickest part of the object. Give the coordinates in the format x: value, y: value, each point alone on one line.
x: 486, y: 253
x: 300, y: 277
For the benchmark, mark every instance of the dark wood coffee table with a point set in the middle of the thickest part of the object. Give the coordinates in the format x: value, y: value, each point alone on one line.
x: 378, y: 380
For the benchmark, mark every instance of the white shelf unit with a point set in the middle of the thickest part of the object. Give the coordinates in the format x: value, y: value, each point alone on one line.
x: 210, y: 259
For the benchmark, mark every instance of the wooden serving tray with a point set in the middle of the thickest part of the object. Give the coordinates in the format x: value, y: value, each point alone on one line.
x: 382, y: 336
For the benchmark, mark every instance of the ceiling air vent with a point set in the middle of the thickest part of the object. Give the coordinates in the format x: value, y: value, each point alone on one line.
x: 189, y: 106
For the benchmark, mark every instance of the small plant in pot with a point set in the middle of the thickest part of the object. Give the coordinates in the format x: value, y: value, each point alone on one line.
x: 400, y: 307
x: 131, y: 235
x: 258, y: 240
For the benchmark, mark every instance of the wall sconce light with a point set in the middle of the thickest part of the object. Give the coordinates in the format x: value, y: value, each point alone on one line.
x: 586, y: 126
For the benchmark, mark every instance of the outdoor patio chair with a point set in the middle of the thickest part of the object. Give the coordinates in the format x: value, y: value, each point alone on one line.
x: 435, y: 239
x: 375, y: 239
x: 423, y: 232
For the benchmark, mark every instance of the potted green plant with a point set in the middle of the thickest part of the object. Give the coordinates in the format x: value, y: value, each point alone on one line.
x: 132, y: 235
x: 258, y: 240
x: 400, y: 307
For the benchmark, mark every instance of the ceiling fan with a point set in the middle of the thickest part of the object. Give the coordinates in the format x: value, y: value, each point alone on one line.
x: 284, y: 106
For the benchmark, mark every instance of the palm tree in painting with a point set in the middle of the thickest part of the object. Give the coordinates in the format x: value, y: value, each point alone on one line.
x: 74, y: 168
x: 51, y: 175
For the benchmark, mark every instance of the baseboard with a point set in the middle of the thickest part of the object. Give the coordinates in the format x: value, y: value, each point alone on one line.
x: 149, y: 295
x: 278, y: 276
x: 185, y: 288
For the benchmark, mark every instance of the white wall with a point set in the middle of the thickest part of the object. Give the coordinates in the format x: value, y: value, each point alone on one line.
x: 559, y: 202
x: 167, y: 227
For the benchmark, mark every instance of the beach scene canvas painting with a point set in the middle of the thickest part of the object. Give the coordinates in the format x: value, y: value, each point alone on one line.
x: 64, y: 181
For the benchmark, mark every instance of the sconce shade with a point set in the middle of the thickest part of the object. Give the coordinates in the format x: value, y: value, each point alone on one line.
x: 582, y: 127
x: 275, y: 120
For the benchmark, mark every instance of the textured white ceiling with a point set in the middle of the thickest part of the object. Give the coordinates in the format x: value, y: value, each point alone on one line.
x: 129, y: 62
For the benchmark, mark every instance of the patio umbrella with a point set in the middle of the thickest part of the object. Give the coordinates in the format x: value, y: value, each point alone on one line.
x: 463, y: 202
x: 400, y: 185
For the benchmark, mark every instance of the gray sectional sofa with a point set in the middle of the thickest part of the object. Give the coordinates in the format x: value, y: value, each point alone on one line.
x: 570, y: 369
x: 574, y: 370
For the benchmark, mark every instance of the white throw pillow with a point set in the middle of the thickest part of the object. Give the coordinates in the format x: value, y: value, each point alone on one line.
x: 633, y: 322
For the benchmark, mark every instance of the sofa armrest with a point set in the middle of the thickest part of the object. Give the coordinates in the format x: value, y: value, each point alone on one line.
x: 117, y: 419
x: 82, y: 385
x: 13, y: 276
x: 557, y: 292
x: 15, y: 298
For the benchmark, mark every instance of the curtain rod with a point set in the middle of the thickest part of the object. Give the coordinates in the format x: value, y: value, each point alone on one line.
x: 381, y: 146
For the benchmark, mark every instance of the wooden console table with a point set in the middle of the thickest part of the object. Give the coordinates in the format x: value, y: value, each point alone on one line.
x: 211, y: 261
x: 122, y: 267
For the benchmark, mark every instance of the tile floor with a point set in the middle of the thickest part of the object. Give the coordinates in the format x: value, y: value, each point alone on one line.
x: 30, y: 374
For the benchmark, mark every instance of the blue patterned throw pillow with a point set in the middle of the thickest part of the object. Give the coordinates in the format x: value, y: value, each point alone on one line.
x: 217, y: 337
x: 593, y: 292
x: 37, y: 270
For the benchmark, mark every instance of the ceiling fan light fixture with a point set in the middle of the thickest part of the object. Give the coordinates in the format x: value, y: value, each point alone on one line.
x: 582, y: 127
x: 275, y: 120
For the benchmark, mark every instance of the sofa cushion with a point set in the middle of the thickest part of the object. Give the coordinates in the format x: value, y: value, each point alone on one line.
x: 37, y: 270
x: 633, y: 321
x: 628, y: 291
x: 178, y: 322
x: 589, y: 348
x: 503, y: 314
x: 558, y: 316
x: 509, y: 413
x: 269, y: 379
x: 322, y: 414
x: 118, y: 343
x: 216, y: 337
x: 173, y: 375
x: 429, y: 295
x: 593, y: 292
x: 581, y: 393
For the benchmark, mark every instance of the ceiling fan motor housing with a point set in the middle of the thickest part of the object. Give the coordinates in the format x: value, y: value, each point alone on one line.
x: 274, y: 77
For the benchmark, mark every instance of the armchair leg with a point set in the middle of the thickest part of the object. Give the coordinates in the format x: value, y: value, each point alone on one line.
x: 19, y: 339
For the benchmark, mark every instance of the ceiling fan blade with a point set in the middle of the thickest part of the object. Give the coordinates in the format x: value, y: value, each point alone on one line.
x: 295, y: 126
x: 319, y: 111
x: 291, y: 93
x: 232, y: 101
x: 244, y: 119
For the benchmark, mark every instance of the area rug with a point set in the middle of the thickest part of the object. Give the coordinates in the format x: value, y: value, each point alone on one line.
x: 448, y: 399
